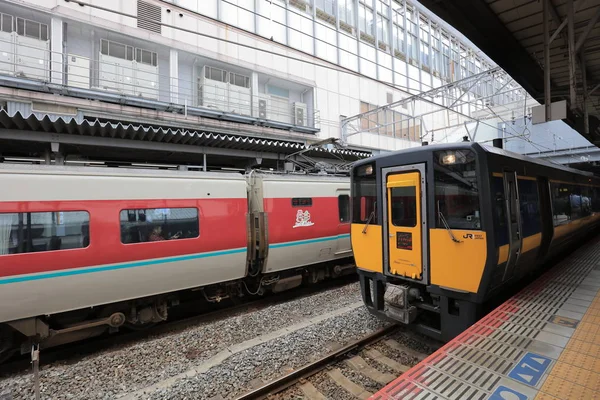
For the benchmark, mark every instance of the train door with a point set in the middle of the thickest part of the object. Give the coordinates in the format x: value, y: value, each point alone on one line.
x: 513, y: 214
x: 405, y: 222
x: 343, y: 230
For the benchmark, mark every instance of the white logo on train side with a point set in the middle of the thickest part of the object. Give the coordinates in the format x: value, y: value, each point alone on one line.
x: 303, y: 219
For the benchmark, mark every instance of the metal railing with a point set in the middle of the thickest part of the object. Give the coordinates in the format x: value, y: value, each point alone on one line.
x: 135, y: 80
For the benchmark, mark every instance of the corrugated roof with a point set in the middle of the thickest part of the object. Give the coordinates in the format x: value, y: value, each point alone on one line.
x: 96, y: 128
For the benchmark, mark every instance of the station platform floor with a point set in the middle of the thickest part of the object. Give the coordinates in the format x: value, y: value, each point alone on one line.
x: 543, y: 343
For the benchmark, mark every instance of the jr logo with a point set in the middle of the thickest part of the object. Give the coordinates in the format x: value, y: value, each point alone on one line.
x: 476, y: 236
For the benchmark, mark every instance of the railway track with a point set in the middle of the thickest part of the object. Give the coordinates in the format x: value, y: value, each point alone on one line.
x: 346, y: 368
x: 71, y: 353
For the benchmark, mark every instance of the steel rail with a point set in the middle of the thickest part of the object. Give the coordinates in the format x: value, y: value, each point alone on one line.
x: 282, y: 383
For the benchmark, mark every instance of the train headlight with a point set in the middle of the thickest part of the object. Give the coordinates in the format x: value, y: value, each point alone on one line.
x: 449, y: 159
x: 365, y: 170
x: 452, y: 157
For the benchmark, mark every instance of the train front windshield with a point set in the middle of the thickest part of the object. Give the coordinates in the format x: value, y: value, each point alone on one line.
x: 364, y: 192
x: 456, y: 190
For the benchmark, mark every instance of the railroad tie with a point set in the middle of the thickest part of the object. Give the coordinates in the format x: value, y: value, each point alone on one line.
x: 397, y: 346
x: 360, y: 365
x: 311, y: 392
x: 348, y: 385
x: 380, y: 358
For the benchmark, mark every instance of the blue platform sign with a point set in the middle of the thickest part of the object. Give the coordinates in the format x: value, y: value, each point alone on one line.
x: 504, y: 393
x: 530, y: 369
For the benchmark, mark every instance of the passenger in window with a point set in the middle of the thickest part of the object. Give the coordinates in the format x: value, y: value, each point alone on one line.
x: 156, y: 235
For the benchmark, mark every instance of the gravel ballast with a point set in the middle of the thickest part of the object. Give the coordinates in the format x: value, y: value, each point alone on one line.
x: 118, y: 373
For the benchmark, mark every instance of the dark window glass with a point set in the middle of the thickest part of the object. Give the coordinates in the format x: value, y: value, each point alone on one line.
x: 43, y: 32
x: 586, y: 201
x: 32, y: 29
x: 596, y: 200
x: 7, y: 23
x: 344, y: 208
x: 20, y: 26
x: 501, y: 229
x: 156, y: 224
x: 104, y: 46
x: 561, y: 204
x: 403, y: 203
x: 530, y: 207
x: 575, y: 200
x: 43, y: 231
x: 301, y: 202
x: 364, y: 199
x: 456, y: 191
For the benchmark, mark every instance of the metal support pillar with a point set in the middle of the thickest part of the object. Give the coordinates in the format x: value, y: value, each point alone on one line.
x: 572, y: 54
x: 586, y: 117
x: 56, y: 51
x: 174, y: 75
x: 547, y: 93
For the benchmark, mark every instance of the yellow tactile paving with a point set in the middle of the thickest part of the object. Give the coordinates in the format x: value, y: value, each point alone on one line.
x: 545, y: 396
x: 580, y: 346
x: 582, y: 360
x: 565, y: 390
x: 576, y: 375
x: 571, y: 373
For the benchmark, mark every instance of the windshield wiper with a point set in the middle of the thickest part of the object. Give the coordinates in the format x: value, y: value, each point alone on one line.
x: 369, y: 221
x: 443, y: 219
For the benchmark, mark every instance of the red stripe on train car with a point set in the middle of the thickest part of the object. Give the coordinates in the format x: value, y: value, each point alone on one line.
x: 287, y: 225
x: 222, y: 227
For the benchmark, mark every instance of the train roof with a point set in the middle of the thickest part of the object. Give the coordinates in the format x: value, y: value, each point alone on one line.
x: 477, y: 147
x: 27, y: 169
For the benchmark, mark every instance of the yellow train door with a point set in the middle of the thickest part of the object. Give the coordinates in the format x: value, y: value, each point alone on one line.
x: 405, y: 223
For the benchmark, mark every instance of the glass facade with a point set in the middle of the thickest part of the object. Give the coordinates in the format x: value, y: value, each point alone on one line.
x: 395, y: 27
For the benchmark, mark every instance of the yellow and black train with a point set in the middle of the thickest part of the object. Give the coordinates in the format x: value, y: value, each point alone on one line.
x: 438, y: 231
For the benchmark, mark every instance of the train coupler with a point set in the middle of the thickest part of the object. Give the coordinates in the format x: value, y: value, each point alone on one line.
x: 398, y: 308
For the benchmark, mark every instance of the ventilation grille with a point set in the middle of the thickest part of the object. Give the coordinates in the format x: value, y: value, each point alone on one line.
x: 149, y: 17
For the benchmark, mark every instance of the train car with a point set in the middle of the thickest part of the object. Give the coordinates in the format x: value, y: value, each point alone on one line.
x: 85, y: 250
x: 308, y: 221
x: 439, y: 231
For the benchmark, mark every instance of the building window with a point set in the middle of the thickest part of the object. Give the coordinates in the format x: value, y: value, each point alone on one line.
x: 32, y: 29
x: 157, y: 224
x: 365, y: 22
x: 346, y: 15
x: 43, y: 231
x: 117, y: 50
x: 146, y: 57
x: 277, y: 91
x: 301, y: 202
x: 398, y: 33
x: 344, y: 208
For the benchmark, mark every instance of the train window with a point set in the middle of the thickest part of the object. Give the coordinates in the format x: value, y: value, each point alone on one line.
x: 404, y: 206
x: 586, y: 201
x: 530, y: 207
x: 157, y: 224
x: 595, y: 199
x: 43, y: 231
x: 501, y: 230
x: 561, y: 204
x: 344, y: 208
x: 456, y: 189
x: 364, y: 199
x: 301, y: 202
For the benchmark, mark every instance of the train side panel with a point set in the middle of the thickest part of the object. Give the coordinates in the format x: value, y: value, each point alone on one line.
x: 111, y: 264
x: 308, y: 221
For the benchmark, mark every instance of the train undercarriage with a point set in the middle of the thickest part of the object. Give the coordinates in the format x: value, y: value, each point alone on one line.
x: 73, y: 326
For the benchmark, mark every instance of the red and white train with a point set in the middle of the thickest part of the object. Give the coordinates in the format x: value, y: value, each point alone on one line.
x: 85, y: 249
